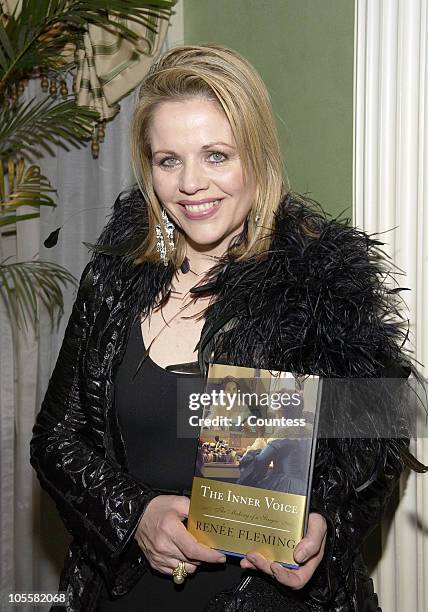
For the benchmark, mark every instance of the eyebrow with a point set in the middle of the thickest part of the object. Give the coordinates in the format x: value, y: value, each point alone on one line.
x: 213, y: 144
x: 207, y: 146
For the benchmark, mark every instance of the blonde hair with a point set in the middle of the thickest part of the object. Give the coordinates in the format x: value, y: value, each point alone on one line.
x: 219, y: 74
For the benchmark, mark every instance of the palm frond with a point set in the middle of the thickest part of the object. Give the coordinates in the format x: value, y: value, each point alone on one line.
x: 27, y: 126
x: 12, y: 219
x: 36, y: 36
x: 24, y: 285
x: 25, y: 186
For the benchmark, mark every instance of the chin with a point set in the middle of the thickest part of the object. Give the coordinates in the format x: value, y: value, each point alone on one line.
x: 206, y: 240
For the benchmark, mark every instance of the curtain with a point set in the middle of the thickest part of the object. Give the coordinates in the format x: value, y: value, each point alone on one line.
x: 108, y: 66
x: 33, y: 540
x: 391, y: 198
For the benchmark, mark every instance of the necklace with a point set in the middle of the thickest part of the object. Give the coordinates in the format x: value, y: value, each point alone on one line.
x: 185, y: 268
x: 147, y: 350
x: 167, y: 323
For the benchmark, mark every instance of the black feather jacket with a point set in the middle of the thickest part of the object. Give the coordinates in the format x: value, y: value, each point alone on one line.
x: 315, y: 304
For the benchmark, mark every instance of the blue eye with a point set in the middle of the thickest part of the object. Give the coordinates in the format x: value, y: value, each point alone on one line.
x: 163, y: 162
x: 219, y: 155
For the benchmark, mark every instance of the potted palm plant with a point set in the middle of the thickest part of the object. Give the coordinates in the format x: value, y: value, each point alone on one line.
x: 36, y: 37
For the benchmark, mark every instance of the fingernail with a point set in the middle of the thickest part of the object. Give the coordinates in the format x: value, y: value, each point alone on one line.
x: 221, y: 559
x: 300, y: 556
x: 274, y: 569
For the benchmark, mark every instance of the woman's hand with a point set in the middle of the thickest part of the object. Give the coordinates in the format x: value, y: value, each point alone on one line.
x: 164, y: 539
x: 308, y: 553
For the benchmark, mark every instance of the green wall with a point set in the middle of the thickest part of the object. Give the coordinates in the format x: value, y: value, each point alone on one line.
x: 304, y: 51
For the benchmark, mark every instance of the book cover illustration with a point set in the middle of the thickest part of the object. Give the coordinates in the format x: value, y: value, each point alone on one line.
x: 255, y: 459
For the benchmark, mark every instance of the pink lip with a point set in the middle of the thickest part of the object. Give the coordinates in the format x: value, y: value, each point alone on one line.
x: 203, y: 214
x: 207, y: 200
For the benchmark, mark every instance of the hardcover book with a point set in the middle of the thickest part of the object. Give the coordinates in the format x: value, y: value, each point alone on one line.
x: 255, y: 460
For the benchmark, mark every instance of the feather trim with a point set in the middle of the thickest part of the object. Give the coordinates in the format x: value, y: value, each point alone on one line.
x: 317, y: 302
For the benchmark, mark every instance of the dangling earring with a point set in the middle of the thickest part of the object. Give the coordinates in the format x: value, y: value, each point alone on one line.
x: 257, y: 217
x: 160, y: 242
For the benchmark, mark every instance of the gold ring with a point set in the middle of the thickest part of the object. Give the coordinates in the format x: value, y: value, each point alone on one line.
x: 179, y: 574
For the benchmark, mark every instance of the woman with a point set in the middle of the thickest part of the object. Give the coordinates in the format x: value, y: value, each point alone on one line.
x: 211, y: 258
x: 230, y: 406
x: 282, y: 464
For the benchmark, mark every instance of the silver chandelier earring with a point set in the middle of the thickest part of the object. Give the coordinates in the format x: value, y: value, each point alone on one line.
x: 160, y: 242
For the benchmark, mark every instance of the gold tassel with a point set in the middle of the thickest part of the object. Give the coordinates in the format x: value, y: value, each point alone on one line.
x: 95, y: 145
x: 13, y: 94
x: 53, y: 88
x: 63, y: 89
x: 44, y: 82
x: 101, y: 131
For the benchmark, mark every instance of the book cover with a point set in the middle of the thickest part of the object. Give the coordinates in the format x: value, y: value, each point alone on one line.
x: 255, y: 459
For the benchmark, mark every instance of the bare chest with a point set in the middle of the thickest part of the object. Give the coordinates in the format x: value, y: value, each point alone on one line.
x: 173, y: 332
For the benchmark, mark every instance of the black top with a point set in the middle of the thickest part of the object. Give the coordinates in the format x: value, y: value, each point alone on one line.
x: 146, y: 406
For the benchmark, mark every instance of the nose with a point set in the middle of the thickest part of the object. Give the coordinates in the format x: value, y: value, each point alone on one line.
x: 192, y: 177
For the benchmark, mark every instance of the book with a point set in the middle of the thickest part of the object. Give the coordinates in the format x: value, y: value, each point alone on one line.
x: 256, y: 452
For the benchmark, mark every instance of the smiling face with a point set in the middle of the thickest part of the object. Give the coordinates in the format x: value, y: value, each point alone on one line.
x: 197, y: 173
